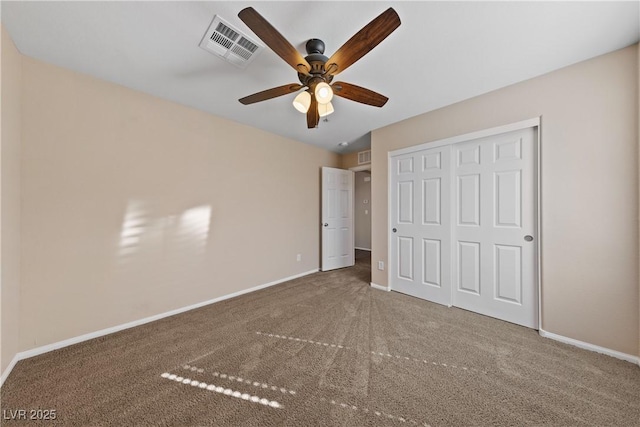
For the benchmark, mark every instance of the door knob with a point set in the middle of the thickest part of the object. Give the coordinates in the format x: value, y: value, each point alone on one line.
x: 326, y: 225
x: 394, y: 230
x: 528, y: 238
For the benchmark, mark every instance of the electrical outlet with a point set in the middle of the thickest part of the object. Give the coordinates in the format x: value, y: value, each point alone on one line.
x: 299, y: 257
x: 380, y: 265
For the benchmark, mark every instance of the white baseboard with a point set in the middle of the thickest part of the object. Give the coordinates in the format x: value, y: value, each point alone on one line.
x: 75, y: 340
x: 380, y: 287
x: 7, y: 371
x: 591, y: 347
x: 364, y: 249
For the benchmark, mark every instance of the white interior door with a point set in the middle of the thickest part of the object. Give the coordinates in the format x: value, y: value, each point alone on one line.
x: 495, y: 227
x: 421, y: 228
x: 337, y: 219
x: 464, y: 226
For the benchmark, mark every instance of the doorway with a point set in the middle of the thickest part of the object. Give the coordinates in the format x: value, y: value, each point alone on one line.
x: 362, y: 210
x: 362, y: 215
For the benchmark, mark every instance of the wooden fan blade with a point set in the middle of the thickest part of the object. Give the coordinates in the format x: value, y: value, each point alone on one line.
x: 272, y: 38
x: 363, y: 41
x: 270, y: 93
x: 313, y: 116
x: 358, y: 94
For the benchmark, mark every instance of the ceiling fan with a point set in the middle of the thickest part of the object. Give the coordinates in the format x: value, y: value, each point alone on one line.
x: 316, y: 71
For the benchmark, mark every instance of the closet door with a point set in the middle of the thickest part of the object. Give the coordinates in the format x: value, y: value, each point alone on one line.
x: 495, y: 236
x: 420, y: 235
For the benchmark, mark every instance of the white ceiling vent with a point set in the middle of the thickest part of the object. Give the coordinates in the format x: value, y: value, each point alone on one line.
x: 229, y: 43
x: 364, y: 157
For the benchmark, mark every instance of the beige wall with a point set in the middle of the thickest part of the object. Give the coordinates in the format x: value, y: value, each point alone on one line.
x: 134, y: 206
x: 589, y: 189
x: 349, y: 160
x: 10, y: 200
x: 362, y: 217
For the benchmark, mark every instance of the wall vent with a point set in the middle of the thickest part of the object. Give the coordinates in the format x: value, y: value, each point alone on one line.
x: 229, y: 43
x: 364, y: 157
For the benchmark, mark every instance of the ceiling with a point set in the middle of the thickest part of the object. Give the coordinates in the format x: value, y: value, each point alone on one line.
x: 443, y: 52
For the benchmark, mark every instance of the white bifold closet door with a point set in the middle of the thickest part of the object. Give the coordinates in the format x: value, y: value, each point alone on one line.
x: 465, y: 234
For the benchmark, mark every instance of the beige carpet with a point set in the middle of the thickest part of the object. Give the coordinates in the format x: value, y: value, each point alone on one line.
x: 326, y: 350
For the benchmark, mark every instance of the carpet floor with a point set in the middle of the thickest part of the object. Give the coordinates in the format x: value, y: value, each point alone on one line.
x: 325, y: 350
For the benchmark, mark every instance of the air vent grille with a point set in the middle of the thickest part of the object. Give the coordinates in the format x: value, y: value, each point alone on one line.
x: 247, y: 45
x: 222, y: 41
x: 241, y: 52
x: 226, y: 31
x: 364, y: 157
x: 229, y: 43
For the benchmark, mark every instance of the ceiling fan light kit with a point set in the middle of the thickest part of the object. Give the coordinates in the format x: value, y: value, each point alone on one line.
x: 323, y: 93
x: 302, y: 102
x: 316, y: 71
x: 325, y: 109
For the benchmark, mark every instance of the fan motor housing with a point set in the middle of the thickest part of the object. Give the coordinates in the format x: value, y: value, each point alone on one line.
x: 316, y: 58
x: 314, y: 46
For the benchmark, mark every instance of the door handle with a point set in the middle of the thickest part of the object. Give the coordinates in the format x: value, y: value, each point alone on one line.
x: 394, y: 230
x: 325, y: 224
x: 528, y: 238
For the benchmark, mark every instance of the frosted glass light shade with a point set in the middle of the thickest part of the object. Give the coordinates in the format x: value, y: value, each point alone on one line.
x: 302, y: 102
x: 323, y: 93
x: 325, y: 109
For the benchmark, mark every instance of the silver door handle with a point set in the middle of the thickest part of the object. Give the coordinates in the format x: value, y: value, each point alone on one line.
x: 394, y: 230
x: 528, y: 238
